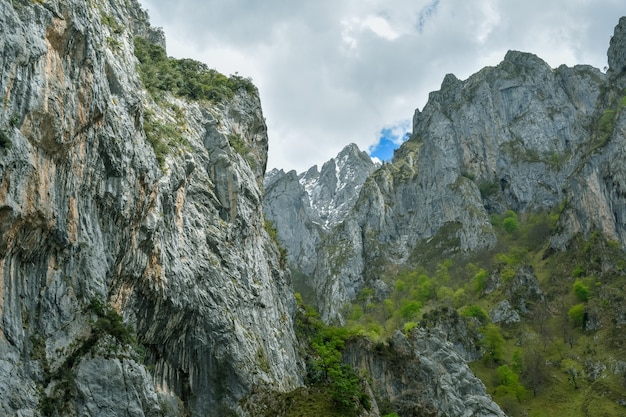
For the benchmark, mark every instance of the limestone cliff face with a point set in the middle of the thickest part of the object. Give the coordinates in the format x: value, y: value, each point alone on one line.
x: 178, y: 249
x: 519, y: 136
x: 422, y: 375
x: 305, y: 207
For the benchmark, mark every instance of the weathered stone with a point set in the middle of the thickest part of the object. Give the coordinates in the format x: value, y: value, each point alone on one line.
x: 422, y: 375
x: 504, y: 313
x: 87, y: 212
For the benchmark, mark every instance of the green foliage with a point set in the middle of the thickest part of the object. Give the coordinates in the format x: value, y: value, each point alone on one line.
x: 479, y: 280
x: 577, y: 314
x: 581, y: 291
x: 509, y: 383
x: 271, y: 230
x: 493, y: 343
x: 488, y: 188
x: 607, y: 122
x: 185, y: 77
x: 476, y: 312
x: 410, y: 309
x: 110, y: 21
x: 408, y: 326
x: 510, y: 222
x: 164, y: 137
x: 324, y: 362
x: 110, y: 322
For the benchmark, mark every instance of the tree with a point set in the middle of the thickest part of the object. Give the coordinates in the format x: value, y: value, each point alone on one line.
x: 535, y: 372
x: 493, y: 343
x: 581, y: 291
x: 577, y: 315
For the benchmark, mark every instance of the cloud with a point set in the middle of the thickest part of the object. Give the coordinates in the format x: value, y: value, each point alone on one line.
x: 335, y: 72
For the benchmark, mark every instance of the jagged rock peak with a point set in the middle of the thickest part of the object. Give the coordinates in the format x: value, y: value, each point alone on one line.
x: 305, y: 207
x: 617, y: 48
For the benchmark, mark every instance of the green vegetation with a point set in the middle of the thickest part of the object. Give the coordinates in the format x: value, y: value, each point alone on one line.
x: 185, y: 77
x: 107, y: 322
x: 341, y: 387
x: 537, y: 367
x: 271, y: 230
x: 163, y: 136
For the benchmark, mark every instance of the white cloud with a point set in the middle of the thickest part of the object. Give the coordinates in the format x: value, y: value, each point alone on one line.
x: 335, y: 72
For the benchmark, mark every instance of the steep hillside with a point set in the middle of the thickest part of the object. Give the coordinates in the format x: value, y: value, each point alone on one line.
x: 499, y: 227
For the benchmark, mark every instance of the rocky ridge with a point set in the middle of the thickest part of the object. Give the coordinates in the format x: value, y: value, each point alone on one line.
x: 305, y: 207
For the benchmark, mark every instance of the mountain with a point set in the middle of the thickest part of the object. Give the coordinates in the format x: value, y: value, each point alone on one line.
x: 498, y: 229
x: 305, y: 207
x: 519, y: 136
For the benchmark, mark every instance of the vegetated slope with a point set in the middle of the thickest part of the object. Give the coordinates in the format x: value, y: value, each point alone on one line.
x: 500, y: 223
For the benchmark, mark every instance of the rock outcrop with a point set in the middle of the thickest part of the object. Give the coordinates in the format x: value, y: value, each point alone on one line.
x: 91, y: 211
x: 422, y: 375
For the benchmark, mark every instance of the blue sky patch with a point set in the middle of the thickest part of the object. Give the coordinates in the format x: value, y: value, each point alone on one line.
x: 390, y: 139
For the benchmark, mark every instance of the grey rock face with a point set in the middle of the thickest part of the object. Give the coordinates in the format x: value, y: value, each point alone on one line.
x: 524, y: 289
x: 617, y: 49
x: 305, y: 207
x: 86, y: 212
x: 504, y: 313
x: 422, y: 375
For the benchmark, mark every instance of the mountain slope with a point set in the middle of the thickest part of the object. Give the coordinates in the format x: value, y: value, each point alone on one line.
x: 305, y: 207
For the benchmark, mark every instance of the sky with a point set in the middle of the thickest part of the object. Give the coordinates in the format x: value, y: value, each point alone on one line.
x: 334, y: 72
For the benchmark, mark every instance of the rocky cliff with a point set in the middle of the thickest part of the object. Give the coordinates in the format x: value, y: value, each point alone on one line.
x: 519, y: 136
x: 422, y: 375
x: 305, y: 207
x: 131, y: 229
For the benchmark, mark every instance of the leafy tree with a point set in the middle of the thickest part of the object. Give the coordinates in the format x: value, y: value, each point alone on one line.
x: 493, y: 343
x: 477, y: 312
x: 510, y: 222
x: 581, y: 291
x: 577, y: 314
x: 535, y: 372
x: 410, y: 309
x: 479, y: 280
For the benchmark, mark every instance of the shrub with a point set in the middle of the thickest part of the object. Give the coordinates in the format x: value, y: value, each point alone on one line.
x: 410, y: 309
x: 185, y: 77
x: 581, y: 291
x: 477, y: 312
x: 509, y: 222
x: 493, y: 343
x: 577, y: 315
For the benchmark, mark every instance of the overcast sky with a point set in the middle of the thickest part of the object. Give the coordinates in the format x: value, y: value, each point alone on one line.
x: 332, y: 72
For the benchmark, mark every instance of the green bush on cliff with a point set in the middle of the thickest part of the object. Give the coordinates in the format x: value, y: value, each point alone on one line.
x: 184, y: 77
